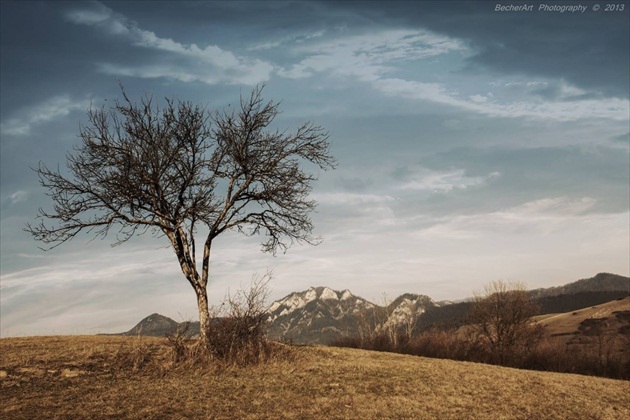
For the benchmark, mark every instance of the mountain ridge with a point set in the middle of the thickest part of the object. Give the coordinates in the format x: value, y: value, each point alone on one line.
x: 321, y: 314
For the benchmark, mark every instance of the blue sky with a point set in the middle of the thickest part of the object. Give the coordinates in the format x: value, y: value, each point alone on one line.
x: 472, y: 145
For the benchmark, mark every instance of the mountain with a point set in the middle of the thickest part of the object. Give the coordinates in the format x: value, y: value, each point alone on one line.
x: 320, y: 315
x: 316, y: 315
x: 602, y: 282
x: 407, y: 308
x: 602, y: 288
x: 154, y: 325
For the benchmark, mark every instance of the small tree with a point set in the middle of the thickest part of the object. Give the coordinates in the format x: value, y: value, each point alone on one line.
x: 184, y: 173
x: 502, y: 320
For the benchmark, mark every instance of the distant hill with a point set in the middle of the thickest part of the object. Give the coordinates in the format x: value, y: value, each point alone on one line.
x: 603, y: 287
x: 571, y: 302
x: 320, y: 315
x: 602, y: 282
x: 157, y: 325
x: 578, y: 326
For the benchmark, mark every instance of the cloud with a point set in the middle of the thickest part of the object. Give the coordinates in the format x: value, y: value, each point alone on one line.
x: 446, y: 181
x: 85, y: 286
x: 18, y: 197
x: 543, y: 216
x: 557, y: 206
x: 188, y: 62
x: 333, y: 198
x: 290, y: 39
x: 98, y: 285
x: 589, y: 51
x: 97, y: 15
x: 559, y: 110
x: 49, y: 110
x: 375, y: 58
x: 369, y: 56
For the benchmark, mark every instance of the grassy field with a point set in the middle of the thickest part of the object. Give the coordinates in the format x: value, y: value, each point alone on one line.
x: 130, y: 377
x: 567, y: 323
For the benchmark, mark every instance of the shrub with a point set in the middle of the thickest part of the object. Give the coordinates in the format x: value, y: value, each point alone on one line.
x: 237, y: 334
x: 241, y: 336
x: 501, y: 322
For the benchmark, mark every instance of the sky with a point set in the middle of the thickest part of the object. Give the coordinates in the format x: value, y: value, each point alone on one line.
x: 473, y: 145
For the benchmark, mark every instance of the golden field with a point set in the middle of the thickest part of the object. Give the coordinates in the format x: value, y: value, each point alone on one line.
x: 563, y: 324
x: 131, y: 377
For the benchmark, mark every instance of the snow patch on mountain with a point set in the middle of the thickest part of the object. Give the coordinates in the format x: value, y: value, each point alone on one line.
x: 311, y: 294
x: 407, y: 308
x: 298, y: 300
x: 293, y: 301
x: 328, y: 294
x: 345, y: 295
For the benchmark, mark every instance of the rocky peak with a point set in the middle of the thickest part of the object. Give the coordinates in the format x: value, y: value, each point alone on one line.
x: 299, y: 300
x: 407, y: 307
x: 153, y: 325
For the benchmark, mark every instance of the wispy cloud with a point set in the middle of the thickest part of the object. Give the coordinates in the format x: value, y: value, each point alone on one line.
x: 558, y: 110
x: 375, y: 58
x: 18, y: 197
x: 287, y: 40
x: 49, y: 110
x: 544, y: 216
x: 333, y: 198
x: 369, y: 56
x: 210, y: 64
x: 446, y: 181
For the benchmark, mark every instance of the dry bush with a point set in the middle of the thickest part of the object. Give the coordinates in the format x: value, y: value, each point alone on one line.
x: 179, y: 342
x: 237, y: 335
x: 135, y: 356
x: 240, y: 336
x: 509, y: 339
x: 349, y: 342
x: 501, y: 322
x: 370, y: 323
x: 186, y: 352
x: 442, y: 345
x: 377, y: 331
x: 584, y: 358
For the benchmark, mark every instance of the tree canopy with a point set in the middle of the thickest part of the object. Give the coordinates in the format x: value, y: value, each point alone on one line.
x: 172, y: 171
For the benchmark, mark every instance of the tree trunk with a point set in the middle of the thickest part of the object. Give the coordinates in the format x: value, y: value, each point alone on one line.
x: 204, y: 315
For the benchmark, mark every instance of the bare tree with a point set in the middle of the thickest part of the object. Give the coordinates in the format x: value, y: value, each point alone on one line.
x: 184, y: 173
x: 502, y: 320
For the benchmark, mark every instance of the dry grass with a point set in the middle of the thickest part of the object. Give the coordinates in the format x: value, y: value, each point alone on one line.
x: 123, y: 377
x: 567, y: 323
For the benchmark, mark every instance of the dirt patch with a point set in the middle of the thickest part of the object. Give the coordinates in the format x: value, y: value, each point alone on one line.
x: 72, y: 373
x: 31, y: 371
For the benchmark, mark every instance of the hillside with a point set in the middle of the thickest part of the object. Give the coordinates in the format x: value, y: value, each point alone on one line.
x: 77, y: 377
x: 601, y: 282
x: 572, y: 327
x: 154, y: 325
x: 602, y: 288
x: 157, y: 325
